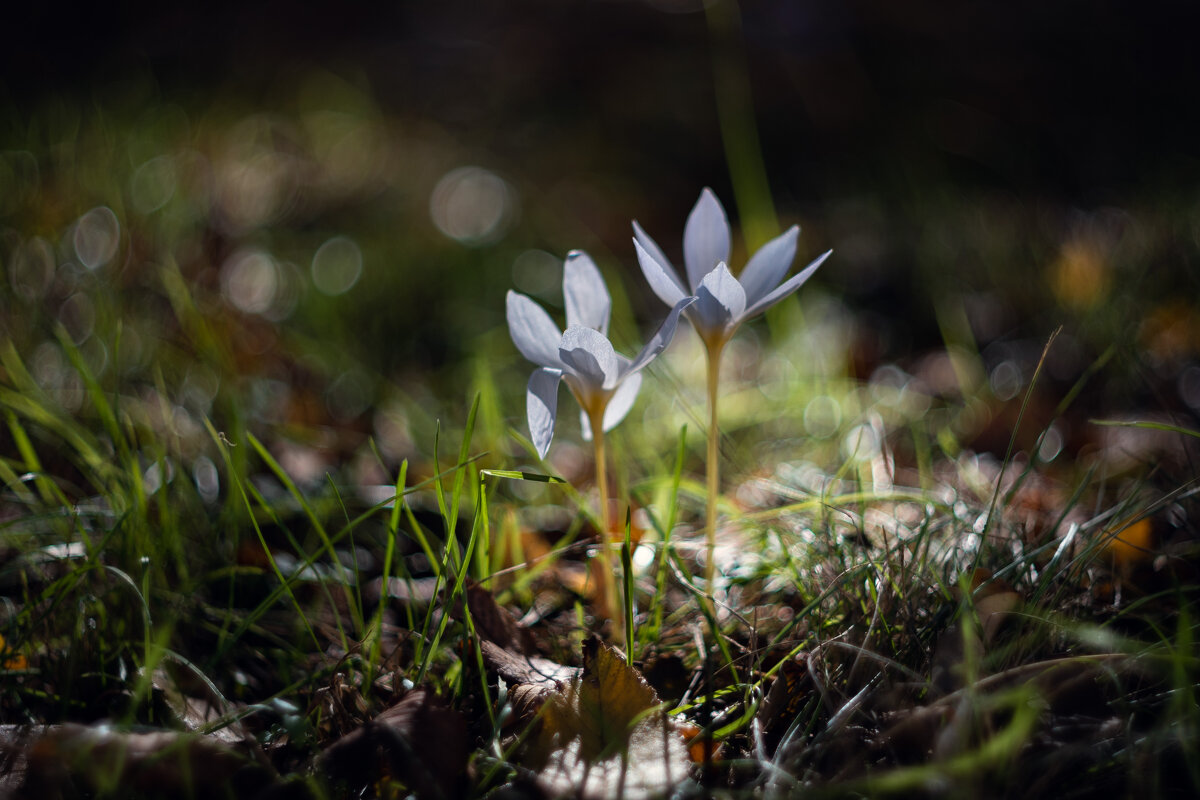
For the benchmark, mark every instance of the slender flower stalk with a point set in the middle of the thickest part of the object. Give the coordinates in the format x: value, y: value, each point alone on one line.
x: 723, y: 303
x: 712, y: 462
x: 603, y: 382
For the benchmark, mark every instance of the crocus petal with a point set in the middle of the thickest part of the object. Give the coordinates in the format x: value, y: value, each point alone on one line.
x: 661, y: 338
x: 541, y: 407
x: 705, y: 238
x: 589, y: 354
x: 766, y: 268
x: 622, y: 400
x: 618, y: 407
x: 650, y: 246
x: 790, y: 285
x: 585, y: 427
x: 720, y: 302
x: 661, y: 277
x: 586, y: 296
x: 532, y: 330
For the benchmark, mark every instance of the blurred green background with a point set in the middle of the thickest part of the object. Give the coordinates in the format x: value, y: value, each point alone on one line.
x: 320, y: 207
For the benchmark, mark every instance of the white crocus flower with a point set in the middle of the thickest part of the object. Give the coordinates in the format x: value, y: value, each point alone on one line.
x: 723, y: 302
x: 604, y: 382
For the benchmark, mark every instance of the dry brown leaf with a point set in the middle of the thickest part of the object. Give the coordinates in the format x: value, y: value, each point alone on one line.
x: 497, y: 624
x: 784, y: 700
x: 70, y: 758
x: 519, y: 669
x: 420, y: 741
x: 197, y: 708
x: 603, y: 735
x: 993, y: 610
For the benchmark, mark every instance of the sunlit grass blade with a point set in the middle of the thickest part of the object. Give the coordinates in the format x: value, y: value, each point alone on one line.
x: 319, y: 528
x: 627, y: 586
x: 1147, y: 425
x: 285, y: 583
x: 516, y: 475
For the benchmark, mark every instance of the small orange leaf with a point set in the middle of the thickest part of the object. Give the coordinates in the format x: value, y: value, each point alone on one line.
x: 701, y: 749
x: 1133, y: 544
x: 10, y: 659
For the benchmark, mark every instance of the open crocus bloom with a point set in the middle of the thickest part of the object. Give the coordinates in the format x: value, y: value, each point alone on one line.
x: 723, y: 302
x: 604, y: 382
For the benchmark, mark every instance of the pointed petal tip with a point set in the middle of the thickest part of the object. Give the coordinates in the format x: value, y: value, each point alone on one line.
x: 587, y: 299
x: 659, y: 274
x: 706, y: 238
x: 787, y: 287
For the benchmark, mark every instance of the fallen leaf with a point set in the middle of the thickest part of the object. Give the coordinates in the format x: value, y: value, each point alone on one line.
x: 418, y: 592
x: 1132, y: 544
x: 420, y: 741
x: 10, y: 659
x: 496, y: 624
x: 517, y: 668
x: 783, y: 701
x: 604, y: 735
x: 69, y: 758
x: 197, y: 708
x: 989, y: 600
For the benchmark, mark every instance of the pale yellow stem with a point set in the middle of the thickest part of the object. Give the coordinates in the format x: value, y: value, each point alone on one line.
x: 609, y: 604
x: 714, y: 350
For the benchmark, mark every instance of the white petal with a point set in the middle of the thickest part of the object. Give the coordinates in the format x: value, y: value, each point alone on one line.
x: 618, y: 407
x: 705, y: 238
x: 661, y: 338
x: 532, y: 330
x: 790, y: 285
x: 766, y: 268
x: 588, y: 303
x: 661, y: 277
x: 622, y: 401
x: 541, y: 407
x: 588, y: 354
x: 651, y: 247
x: 720, y: 301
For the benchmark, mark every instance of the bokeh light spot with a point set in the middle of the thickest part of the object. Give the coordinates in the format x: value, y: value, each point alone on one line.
x: 822, y: 416
x: 32, y: 269
x: 1052, y: 444
x: 78, y: 316
x: 1005, y: 380
x: 208, y: 480
x: 1080, y: 276
x: 862, y: 442
x: 153, y: 184
x: 96, y: 236
x: 348, y: 396
x: 472, y: 205
x: 1189, y: 387
x: 250, y: 281
x: 538, y: 273
x: 336, y: 266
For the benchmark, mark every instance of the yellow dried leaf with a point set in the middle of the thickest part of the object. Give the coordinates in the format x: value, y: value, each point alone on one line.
x: 603, y: 735
x: 10, y: 659
x: 1133, y: 544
